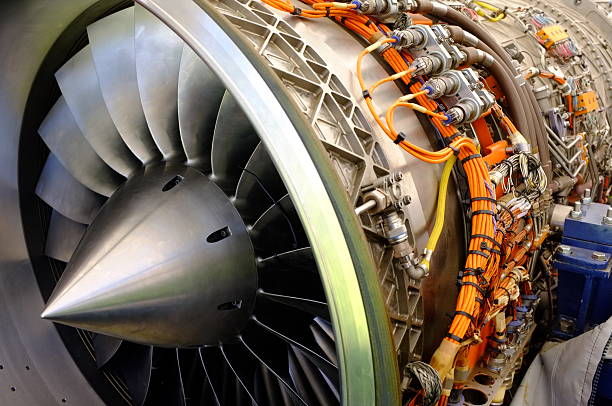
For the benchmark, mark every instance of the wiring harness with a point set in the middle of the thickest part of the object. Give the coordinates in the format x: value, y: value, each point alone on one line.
x: 502, y: 231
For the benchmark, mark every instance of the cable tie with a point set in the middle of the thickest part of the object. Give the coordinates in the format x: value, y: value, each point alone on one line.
x: 400, y: 137
x: 454, y: 337
x: 488, y: 199
x: 368, y: 22
x: 296, y: 11
x: 489, y: 238
x: 466, y: 314
x: 476, y: 252
x: 480, y: 290
x: 478, y: 212
x: 469, y: 158
x: 343, y: 19
x: 327, y: 11
x: 455, y: 150
x: 366, y: 94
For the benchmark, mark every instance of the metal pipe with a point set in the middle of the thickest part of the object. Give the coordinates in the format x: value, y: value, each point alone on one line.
x: 370, y: 204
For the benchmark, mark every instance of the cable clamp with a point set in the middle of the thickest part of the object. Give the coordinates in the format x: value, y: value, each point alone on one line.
x: 400, y: 137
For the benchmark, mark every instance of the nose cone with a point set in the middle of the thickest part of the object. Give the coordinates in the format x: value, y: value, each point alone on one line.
x: 167, y: 262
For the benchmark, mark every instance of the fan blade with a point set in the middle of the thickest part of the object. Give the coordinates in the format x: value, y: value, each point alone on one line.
x: 278, y: 229
x: 259, y: 186
x: 233, y: 142
x: 325, y: 343
x: 158, y: 58
x: 133, y: 362
x: 60, y: 190
x: 326, y: 327
x: 63, y: 137
x: 310, y: 306
x: 301, y: 259
x: 106, y: 347
x: 329, y: 369
x: 286, y: 389
x: 63, y: 237
x: 78, y: 82
x: 112, y: 48
x: 208, y: 378
x: 316, y: 381
x: 168, y: 389
x: 299, y: 380
x: 199, y: 96
x: 239, y: 380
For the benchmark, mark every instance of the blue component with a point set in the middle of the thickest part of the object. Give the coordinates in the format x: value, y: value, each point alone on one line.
x: 585, y: 284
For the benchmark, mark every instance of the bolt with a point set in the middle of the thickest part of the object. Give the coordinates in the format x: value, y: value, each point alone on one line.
x: 397, y: 176
x: 577, y: 211
x: 586, y: 197
x: 598, y: 256
x: 607, y: 220
x: 565, y: 249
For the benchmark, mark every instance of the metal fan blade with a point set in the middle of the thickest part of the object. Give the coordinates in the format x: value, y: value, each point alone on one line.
x: 325, y: 343
x: 326, y: 327
x: 134, y: 362
x: 239, y: 380
x: 298, y: 379
x: 329, y: 369
x: 199, y: 96
x: 112, y: 48
x: 168, y: 389
x: 259, y: 186
x: 60, y: 190
x: 79, y: 84
x: 310, y: 306
x: 301, y: 259
x: 63, y: 137
x: 233, y: 142
x: 106, y: 347
x: 286, y: 388
x: 63, y: 237
x: 208, y: 378
x: 316, y: 381
x: 158, y: 59
x: 278, y: 228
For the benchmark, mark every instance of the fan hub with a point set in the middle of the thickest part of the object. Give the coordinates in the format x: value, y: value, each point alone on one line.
x: 167, y: 261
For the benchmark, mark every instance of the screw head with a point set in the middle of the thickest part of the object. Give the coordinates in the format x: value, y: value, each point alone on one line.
x: 565, y: 249
x: 598, y: 256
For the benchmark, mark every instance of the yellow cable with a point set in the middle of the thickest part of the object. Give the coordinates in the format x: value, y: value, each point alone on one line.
x: 440, y: 209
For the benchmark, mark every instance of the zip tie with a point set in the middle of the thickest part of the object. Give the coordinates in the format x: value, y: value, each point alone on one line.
x: 296, y: 11
x: 366, y: 94
x: 400, y: 137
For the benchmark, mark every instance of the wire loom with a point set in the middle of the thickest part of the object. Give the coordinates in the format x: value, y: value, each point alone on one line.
x: 479, y: 297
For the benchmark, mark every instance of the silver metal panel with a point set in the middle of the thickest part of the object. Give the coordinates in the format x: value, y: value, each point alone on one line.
x: 63, y: 137
x: 199, y: 96
x: 112, y: 48
x: 60, y: 190
x: 78, y: 82
x: 63, y: 237
x: 158, y: 59
x: 234, y: 141
x: 180, y: 247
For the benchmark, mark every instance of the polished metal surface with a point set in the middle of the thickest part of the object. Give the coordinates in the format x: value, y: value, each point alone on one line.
x: 106, y: 347
x: 339, y: 246
x: 112, y: 48
x: 158, y: 60
x: 199, y: 95
x: 234, y: 141
x: 63, y: 237
x: 259, y: 186
x: 78, y: 82
x: 60, y: 190
x: 63, y: 137
x: 166, y: 262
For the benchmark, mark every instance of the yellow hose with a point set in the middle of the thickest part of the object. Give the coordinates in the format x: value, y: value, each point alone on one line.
x: 440, y: 208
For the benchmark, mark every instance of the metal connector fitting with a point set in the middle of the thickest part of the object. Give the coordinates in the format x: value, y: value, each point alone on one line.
x: 395, y: 228
x: 586, y: 197
x: 577, y: 211
x: 607, y: 220
x: 384, y: 9
x: 408, y: 38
